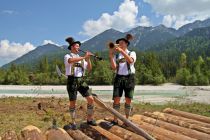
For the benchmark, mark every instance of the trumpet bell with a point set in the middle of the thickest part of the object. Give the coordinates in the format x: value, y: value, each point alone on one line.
x: 111, y: 45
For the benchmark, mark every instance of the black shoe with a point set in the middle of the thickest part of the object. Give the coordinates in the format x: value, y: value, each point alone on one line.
x: 114, y: 122
x: 92, y: 122
x: 74, y: 126
x: 71, y: 126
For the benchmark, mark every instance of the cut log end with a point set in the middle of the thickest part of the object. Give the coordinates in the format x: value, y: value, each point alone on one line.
x: 32, y: 133
x: 9, y: 135
x: 57, y: 134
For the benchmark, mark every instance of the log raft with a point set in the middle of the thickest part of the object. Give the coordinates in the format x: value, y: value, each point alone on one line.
x: 187, y: 115
x: 172, y: 127
x: 137, y: 130
x: 161, y: 126
x: 157, y: 131
x: 119, y: 131
x: 98, y: 133
x: 177, y: 121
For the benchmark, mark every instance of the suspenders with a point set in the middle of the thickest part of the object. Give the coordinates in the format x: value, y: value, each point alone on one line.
x: 81, y: 65
x: 122, y: 60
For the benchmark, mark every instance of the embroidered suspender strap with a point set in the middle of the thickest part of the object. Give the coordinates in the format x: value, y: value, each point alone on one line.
x: 72, y: 67
x: 118, y: 61
x: 128, y: 65
x: 82, y: 66
x: 77, y: 65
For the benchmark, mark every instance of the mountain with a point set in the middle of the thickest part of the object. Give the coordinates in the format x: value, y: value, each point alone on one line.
x: 145, y: 37
x: 157, y: 39
x: 189, y: 27
x: 194, y: 43
x: 200, y: 32
x: 33, y: 57
x: 99, y: 42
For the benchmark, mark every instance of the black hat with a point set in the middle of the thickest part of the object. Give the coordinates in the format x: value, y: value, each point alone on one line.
x: 127, y: 39
x: 71, y: 42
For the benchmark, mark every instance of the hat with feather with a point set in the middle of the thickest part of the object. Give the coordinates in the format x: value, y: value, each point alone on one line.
x: 71, y: 42
x: 127, y: 39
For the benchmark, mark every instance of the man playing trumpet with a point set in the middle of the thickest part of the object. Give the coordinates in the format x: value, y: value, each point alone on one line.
x: 123, y: 64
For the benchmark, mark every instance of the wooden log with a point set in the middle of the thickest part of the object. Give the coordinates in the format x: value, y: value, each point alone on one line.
x: 158, y: 131
x: 9, y: 135
x: 174, y: 128
x: 177, y: 121
x: 98, y: 133
x: 191, y: 121
x: 31, y: 133
x: 119, y: 131
x: 156, y: 136
x: 187, y: 115
x: 77, y: 134
x: 137, y: 130
x: 57, y: 134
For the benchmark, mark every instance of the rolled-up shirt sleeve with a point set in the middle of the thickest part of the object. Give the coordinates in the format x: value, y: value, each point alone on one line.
x: 133, y: 55
x: 66, y: 58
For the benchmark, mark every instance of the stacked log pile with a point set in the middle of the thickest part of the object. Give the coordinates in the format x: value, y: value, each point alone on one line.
x: 170, y: 124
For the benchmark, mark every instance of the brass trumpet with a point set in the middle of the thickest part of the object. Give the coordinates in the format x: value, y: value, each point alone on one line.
x: 111, y: 45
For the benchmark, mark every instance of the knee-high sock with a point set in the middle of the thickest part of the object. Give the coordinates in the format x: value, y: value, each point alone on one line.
x: 72, y: 111
x: 90, y: 110
x: 116, y: 107
x: 127, y: 109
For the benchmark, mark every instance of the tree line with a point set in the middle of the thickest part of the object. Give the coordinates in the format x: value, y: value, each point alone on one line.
x: 151, y: 68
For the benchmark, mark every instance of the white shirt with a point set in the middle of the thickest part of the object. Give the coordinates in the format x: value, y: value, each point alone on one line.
x: 123, y: 70
x: 78, y: 72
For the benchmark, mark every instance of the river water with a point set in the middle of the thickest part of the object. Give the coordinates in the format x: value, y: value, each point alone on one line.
x: 143, y: 94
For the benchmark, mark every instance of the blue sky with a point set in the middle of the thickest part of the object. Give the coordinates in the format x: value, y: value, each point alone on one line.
x: 25, y: 24
x: 37, y: 20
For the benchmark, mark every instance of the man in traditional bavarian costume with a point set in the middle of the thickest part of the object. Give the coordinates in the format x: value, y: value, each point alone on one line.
x: 75, y: 66
x: 123, y: 64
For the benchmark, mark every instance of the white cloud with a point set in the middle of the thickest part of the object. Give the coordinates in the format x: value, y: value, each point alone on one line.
x: 122, y: 20
x: 11, y: 51
x: 144, y: 21
x: 169, y: 20
x: 178, y: 21
x: 180, y: 7
x: 10, y: 12
x: 49, y: 42
x: 179, y: 12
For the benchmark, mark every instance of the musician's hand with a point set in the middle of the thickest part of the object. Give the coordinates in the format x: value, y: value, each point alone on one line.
x: 87, y: 55
x: 118, y: 49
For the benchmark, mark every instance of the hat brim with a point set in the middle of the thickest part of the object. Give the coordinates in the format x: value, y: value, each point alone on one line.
x: 123, y: 40
x: 76, y: 42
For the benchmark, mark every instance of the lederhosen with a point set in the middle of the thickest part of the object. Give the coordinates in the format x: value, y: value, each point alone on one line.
x: 124, y: 83
x: 75, y: 84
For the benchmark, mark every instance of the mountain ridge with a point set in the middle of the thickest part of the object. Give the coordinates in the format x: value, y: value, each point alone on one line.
x: 144, y: 39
